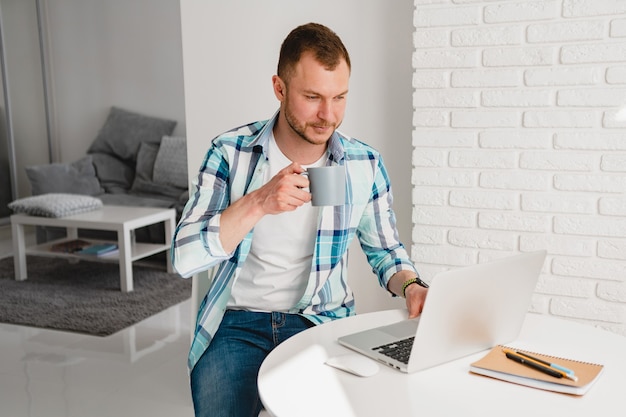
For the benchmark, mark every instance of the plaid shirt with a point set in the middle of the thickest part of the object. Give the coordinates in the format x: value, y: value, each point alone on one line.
x: 234, y: 166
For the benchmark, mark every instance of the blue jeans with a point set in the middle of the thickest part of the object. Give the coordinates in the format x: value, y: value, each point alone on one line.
x: 224, y: 381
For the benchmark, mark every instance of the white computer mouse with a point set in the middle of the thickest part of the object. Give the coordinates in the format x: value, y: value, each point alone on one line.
x: 354, y: 363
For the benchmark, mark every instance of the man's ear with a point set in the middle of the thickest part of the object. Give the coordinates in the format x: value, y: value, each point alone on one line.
x: 279, y: 88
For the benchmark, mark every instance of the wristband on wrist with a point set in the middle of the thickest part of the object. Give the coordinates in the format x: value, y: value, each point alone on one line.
x: 408, y: 282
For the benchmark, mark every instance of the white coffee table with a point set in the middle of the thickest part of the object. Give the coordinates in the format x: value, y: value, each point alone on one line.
x: 121, y: 219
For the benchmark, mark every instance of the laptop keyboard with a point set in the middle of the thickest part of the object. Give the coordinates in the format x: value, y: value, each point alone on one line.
x: 400, y: 350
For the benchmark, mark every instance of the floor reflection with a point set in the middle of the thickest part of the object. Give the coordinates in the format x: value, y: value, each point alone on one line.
x: 140, y: 370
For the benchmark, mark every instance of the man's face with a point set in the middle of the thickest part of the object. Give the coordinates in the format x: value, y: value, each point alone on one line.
x: 314, y: 102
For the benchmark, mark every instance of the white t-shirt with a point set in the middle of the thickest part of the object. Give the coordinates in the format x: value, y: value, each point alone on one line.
x: 276, y: 271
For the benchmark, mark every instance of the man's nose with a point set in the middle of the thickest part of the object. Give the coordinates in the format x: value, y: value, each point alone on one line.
x: 325, y: 110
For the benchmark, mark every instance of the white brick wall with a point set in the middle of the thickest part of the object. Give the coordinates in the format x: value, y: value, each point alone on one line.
x: 520, y: 144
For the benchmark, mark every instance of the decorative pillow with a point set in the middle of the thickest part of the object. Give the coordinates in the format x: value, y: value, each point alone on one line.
x: 145, y: 161
x: 143, y: 185
x: 78, y: 177
x: 123, y: 131
x: 115, y: 175
x: 170, y: 166
x: 55, y: 204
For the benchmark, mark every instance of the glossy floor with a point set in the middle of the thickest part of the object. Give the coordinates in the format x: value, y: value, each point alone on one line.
x: 139, y: 371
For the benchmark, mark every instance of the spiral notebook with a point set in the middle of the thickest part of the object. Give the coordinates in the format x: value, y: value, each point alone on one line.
x: 496, y: 365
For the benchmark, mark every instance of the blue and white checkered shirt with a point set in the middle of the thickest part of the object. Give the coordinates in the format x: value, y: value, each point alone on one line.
x: 234, y: 166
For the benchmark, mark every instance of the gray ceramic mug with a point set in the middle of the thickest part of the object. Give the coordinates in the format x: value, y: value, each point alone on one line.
x: 327, y: 185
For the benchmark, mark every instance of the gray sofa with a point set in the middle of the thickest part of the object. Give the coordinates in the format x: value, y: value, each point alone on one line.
x: 133, y: 161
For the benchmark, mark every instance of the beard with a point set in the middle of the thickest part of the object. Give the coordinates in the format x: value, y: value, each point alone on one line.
x: 300, y: 127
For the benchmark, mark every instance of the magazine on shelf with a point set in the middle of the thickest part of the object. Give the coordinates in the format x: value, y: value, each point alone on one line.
x: 70, y: 246
x: 99, y: 249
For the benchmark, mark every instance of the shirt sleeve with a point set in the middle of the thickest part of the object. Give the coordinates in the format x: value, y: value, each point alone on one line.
x: 196, y: 244
x: 378, y: 234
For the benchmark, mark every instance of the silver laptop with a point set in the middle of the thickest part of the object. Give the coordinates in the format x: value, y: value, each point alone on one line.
x: 467, y: 310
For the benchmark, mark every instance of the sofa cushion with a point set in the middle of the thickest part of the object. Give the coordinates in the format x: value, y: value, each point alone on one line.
x: 124, y: 130
x: 55, y: 204
x: 143, y: 188
x: 135, y: 200
x: 170, y: 166
x: 115, y: 175
x: 78, y: 177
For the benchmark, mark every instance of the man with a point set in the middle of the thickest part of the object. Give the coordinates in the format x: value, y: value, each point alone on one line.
x: 280, y: 263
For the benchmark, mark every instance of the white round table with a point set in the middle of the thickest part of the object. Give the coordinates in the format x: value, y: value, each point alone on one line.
x: 294, y: 381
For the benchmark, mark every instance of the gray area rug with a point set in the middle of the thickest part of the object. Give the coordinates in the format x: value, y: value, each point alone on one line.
x: 84, y: 297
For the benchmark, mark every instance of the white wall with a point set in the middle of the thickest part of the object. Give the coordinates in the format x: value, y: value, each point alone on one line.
x: 25, y: 89
x: 124, y: 53
x: 230, y: 52
x: 518, y: 147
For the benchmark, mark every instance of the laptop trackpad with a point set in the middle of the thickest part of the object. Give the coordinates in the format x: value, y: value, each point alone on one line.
x: 401, y: 330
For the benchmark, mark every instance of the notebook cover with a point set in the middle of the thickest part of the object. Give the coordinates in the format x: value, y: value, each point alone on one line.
x: 496, y: 365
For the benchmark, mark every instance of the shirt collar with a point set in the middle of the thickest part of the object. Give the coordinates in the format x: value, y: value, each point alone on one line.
x: 335, y: 149
x: 262, y: 140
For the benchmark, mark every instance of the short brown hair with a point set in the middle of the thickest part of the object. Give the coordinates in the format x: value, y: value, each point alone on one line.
x: 325, y: 45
